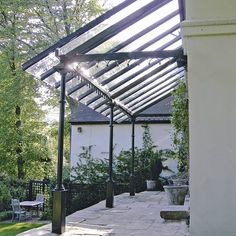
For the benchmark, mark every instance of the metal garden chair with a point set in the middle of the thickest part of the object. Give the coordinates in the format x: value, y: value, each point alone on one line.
x: 17, y: 212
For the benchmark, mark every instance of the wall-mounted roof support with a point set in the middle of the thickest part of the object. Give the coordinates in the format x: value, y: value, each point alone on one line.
x: 182, y: 10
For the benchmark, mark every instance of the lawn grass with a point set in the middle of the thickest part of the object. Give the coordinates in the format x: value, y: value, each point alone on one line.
x: 12, y: 229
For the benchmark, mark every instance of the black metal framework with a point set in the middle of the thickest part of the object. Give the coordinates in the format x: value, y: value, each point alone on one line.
x: 59, y: 194
x: 132, y: 178
x: 110, y: 184
x: 125, y: 72
x: 143, y: 40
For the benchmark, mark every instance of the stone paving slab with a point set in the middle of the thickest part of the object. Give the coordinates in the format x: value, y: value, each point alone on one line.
x: 138, y: 215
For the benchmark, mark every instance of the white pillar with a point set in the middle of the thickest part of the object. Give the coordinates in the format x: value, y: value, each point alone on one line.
x: 209, y: 35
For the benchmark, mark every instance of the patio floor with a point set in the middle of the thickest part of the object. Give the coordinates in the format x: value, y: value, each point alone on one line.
x: 138, y: 216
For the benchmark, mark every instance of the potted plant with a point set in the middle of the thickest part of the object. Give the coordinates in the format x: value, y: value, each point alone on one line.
x: 155, y: 169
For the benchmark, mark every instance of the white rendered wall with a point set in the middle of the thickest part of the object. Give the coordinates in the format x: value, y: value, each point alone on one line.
x: 210, y: 44
x: 98, y: 137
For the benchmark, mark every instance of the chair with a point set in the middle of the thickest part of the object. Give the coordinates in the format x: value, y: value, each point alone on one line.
x: 40, y: 198
x: 17, y: 212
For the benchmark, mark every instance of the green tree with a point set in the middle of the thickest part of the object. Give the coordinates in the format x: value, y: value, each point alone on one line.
x: 22, y: 140
x: 26, y: 28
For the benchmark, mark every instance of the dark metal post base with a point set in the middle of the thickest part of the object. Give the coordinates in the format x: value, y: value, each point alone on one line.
x: 131, y: 186
x: 59, y: 211
x: 110, y: 194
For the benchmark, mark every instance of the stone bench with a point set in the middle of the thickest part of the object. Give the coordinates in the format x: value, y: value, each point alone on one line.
x: 175, y: 212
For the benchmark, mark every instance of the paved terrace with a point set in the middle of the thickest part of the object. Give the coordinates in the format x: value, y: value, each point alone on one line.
x: 138, y: 216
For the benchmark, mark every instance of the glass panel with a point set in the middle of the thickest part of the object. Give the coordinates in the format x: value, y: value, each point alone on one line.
x: 97, y: 102
x: 99, y: 66
x: 153, y: 34
x: 135, y: 69
x: 154, y: 87
x: 72, y: 83
x: 151, y: 91
x: 43, y: 65
x: 53, y: 79
x: 49, y: 61
x: 75, y: 95
x: 135, y: 89
x: 139, y: 26
x: 104, y: 25
x: 131, y: 81
x: 121, y: 119
x: 136, y: 109
x: 89, y: 97
x: 149, y: 99
x: 101, y: 108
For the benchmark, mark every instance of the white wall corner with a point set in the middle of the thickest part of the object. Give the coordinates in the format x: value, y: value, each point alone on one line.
x: 206, y: 28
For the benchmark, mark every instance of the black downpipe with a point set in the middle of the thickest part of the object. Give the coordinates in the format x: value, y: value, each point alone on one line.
x: 132, y: 179
x: 110, y: 184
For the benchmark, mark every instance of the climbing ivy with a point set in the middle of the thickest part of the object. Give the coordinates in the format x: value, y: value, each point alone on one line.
x: 180, y: 123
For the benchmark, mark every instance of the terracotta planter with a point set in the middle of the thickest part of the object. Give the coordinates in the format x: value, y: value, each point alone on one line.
x: 176, y: 194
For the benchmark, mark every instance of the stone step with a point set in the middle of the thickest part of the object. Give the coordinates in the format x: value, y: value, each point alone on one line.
x: 175, y: 212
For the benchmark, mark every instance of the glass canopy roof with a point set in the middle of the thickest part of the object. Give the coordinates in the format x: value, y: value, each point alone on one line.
x: 128, y: 56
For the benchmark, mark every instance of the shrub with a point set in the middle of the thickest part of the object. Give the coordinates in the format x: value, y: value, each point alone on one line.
x: 5, y: 196
x: 90, y: 170
x: 5, y: 215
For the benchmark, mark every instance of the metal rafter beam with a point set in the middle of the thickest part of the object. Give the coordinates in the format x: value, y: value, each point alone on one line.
x: 103, y: 92
x: 122, y: 56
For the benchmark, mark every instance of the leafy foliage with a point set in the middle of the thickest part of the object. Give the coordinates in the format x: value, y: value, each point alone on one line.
x: 11, y: 188
x: 26, y: 28
x: 89, y: 170
x: 147, y: 164
x: 180, y: 123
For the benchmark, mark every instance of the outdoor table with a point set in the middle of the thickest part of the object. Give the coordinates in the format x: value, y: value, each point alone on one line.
x: 31, y: 204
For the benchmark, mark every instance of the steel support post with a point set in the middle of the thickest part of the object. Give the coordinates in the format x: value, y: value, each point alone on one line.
x: 110, y: 184
x: 132, y: 179
x: 59, y: 193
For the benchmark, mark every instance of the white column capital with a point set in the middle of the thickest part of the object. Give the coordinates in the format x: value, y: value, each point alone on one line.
x: 206, y: 28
